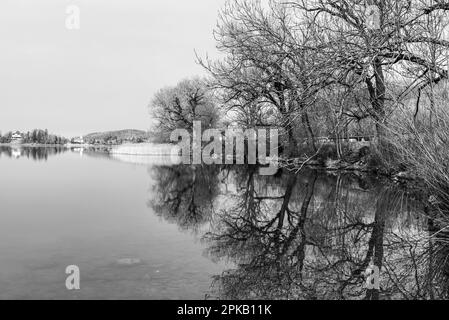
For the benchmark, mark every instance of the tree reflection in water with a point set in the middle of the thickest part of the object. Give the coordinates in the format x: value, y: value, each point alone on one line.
x: 34, y: 153
x: 185, y: 194
x: 310, y: 235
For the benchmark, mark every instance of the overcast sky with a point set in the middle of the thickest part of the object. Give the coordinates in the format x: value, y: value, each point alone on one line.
x: 102, y: 76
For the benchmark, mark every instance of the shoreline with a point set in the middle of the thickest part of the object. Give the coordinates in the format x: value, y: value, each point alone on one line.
x: 30, y: 145
x: 67, y: 145
x: 289, y: 164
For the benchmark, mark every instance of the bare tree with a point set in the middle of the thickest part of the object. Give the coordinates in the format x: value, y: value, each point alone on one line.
x: 267, y: 65
x: 177, y: 107
x: 378, y: 57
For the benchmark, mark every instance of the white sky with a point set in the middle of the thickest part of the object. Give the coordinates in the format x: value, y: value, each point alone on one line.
x: 102, y: 76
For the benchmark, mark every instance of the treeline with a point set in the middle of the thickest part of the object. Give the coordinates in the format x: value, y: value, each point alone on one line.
x: 114, y: 140
x: 325, y: 69
x: 116, y: 137
x: 37, y: 136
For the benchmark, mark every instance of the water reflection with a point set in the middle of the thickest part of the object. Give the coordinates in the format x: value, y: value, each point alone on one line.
x: 310, y: 235
x: 289, y: 236
x: 185, y: 194
x: 34, y: 153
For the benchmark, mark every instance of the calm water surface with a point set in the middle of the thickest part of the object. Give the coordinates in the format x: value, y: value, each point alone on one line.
x: 144, y: 230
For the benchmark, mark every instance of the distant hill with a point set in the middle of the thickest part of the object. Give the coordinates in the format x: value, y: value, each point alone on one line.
x: 117, y: 137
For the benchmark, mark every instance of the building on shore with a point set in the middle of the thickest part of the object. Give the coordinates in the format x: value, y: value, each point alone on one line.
x: 79, y: 140
x: 16, y: 137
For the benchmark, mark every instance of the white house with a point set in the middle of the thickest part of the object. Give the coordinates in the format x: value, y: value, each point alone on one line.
x: 79, y: 140
x: 16, y: 137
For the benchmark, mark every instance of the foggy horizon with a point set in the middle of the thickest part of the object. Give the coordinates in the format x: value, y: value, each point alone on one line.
x: 101, y: 77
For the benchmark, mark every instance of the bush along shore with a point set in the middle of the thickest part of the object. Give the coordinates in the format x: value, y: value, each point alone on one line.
x: 357, y: 158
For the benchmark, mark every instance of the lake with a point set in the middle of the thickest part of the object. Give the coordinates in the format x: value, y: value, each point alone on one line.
x: 148, y: 230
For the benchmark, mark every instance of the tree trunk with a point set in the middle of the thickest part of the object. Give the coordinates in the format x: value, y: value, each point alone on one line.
x: 306, y: 122
x: 379, y: 100
x: 291, y: 143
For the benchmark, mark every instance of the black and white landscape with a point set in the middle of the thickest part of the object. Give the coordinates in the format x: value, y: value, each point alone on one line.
x: 230, y: 150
